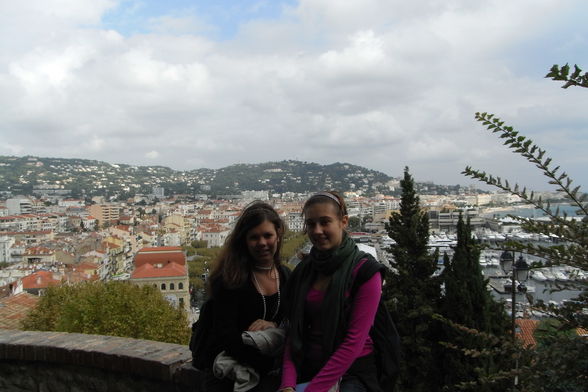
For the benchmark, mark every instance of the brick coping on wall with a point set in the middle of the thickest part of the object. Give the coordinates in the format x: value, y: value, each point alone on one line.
x: 158, y: 361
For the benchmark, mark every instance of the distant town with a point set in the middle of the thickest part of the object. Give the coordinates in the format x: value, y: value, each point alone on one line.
x: 50, y: 238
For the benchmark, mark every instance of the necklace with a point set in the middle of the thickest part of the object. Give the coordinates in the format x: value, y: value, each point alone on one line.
x: 263, y: 268
x: 258, y: 287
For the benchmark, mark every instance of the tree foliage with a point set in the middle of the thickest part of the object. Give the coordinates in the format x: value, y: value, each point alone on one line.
x: 412, y: 294
x: 563, y: 74
x: 354, y: 223
x: 293, y: 242
x: 113, y: 308
x: 467, y: 302
x: 575, y: 232
x: 558, y: 363
x: 572, y: 249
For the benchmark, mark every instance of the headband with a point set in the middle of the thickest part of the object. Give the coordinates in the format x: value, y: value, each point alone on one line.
x: 326, y: 194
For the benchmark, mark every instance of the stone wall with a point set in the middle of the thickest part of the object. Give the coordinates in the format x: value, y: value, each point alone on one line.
x: 64, y: 362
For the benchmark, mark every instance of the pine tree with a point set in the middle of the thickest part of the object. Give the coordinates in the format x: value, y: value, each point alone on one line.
x: 467, y: 302
x: 412, y: 293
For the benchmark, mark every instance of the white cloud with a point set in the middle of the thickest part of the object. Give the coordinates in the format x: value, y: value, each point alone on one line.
x: 152, y: 154
x: 379, y: 83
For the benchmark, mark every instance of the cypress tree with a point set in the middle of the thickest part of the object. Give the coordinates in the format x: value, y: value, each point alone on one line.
x: 412, y: 293
x: 466, y: 301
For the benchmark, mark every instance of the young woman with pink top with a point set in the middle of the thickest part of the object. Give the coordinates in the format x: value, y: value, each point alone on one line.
x: 328, y: 345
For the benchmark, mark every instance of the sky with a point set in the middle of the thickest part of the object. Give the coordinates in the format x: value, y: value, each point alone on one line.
x: 382, y: 84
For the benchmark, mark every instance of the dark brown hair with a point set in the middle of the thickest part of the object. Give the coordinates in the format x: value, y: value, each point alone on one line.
x: 233, y: 264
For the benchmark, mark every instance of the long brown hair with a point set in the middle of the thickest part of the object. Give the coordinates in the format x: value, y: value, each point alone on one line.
x: 233, y: 264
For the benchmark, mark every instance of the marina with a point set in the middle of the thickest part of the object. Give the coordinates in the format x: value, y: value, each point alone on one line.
x: 553, y: 285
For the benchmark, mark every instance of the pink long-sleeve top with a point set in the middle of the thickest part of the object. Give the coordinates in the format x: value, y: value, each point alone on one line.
x: 355, y: 344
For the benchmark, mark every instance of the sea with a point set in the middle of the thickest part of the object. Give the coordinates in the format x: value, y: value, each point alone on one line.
x: 529, y: 211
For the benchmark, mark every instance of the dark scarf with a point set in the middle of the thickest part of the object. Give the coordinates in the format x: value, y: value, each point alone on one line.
x: 339, y: 265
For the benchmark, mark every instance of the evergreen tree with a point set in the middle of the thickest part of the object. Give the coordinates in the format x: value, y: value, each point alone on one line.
x: 412, y: 293
x: 467, y: 302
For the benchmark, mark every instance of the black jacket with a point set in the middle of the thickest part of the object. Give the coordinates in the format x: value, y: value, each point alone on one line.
x: 235, y: 309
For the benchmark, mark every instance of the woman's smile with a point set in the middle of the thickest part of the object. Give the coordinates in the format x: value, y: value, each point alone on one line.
x: 324, y: 226
x: 262, y: 243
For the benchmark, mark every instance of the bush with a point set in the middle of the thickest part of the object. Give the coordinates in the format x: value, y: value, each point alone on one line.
x: 112, y: 308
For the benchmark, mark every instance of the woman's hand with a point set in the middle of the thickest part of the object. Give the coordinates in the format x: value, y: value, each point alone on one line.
x: 260, y: 325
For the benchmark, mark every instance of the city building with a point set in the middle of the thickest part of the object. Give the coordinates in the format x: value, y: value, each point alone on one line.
x: 39, y: 255
x: 38, y: 281
x: 19, y: 205
x: 165, y: 268
x: 105, y: 213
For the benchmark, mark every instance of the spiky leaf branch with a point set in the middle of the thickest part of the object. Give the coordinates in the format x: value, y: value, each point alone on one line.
x: 535, y: 155
x: 563, y: 74
x: 574, y: 232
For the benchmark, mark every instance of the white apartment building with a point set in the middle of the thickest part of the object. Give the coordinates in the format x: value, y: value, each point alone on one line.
x: 215, y: 237
x: 255, y: 195
x: 294, y: 221
x: 71, y: 203
x: 19, y: 205
x: 5, y: 249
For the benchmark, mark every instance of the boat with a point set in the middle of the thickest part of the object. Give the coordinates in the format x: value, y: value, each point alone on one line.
x: 538, y: 275
x: 560, y: 274
x: 548, y: 274
x: 520, y: 287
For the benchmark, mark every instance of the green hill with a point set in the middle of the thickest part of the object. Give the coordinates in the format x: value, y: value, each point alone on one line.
x: 81, y: 177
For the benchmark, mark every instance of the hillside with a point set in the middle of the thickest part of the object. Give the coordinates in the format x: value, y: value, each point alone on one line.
x: 80, y: 177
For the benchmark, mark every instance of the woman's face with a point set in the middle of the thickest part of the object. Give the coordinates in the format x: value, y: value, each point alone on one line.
x: 324, y: 226
x: 262, y: 243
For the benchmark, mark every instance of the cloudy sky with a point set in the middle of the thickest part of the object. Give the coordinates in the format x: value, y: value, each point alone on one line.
x: 378, y: 83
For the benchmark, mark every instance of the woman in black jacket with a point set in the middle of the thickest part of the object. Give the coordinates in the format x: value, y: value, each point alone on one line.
x: 246, y: 283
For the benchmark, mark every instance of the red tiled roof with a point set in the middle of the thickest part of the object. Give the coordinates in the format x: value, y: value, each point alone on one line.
x: 85, y: 266
x: 161, y: 254
x: 526, y: 331
x: 167, y: 270
x: 80, y: 276
x: 163, y: 257
x: 161, y: 249
x: 13, y: 309
x: 110, y: 244
x: 38, y: 250
x: 27, y: 232
x: 39, y: 280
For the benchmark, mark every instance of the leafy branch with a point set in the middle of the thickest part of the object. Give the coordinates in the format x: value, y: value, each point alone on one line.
x: 530, y: 151
x: 575, y: 233
x: 563, y: 74
x: 486, y: 347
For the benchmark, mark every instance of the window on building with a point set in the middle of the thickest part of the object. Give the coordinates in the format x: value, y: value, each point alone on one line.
x: 163, y: 286
x: 182, y: 302
x: 172, y: 286
x: 180, y: 286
